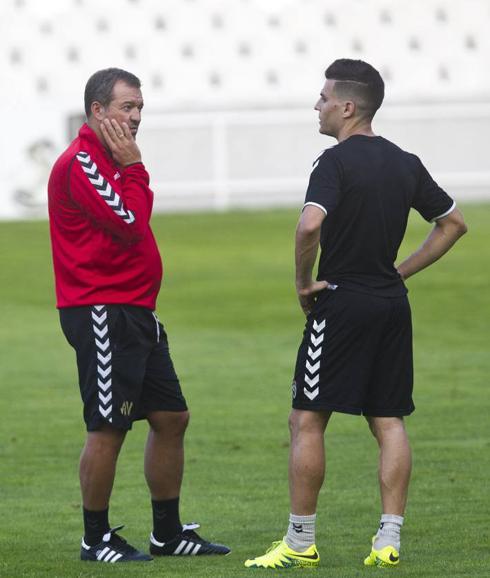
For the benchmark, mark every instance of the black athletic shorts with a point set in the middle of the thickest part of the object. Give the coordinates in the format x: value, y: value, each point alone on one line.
x: 356, y: 356
x: 124, y: 364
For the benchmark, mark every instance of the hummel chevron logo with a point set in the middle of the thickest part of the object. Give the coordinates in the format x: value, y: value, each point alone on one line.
x: 312, y: 382
x: 97, y: 181
x: 105, y: 412
x: 314, y: 354
x: 105, y: 398
x: 103, y: 188
x: 312, y: 368
x: 318, y: 326
x: 311, y: 394
x: 115, y: 201
x: 101, y: 332
x: 104, y: 386
x: 102, y: 344
x: 104, y: 359
x: 317, y: 340
x: 104, y: 372
x: 312, y: 364
x: 99, y: 318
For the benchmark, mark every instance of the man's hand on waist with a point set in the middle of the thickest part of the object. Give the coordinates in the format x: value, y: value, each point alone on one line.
x: 307, y: 293
x: 121, y: 142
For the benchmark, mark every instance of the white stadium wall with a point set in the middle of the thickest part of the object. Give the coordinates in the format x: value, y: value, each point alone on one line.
x: 229, y: 88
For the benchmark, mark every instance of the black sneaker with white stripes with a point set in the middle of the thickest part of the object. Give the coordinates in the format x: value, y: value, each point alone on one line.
x: 112, y: 549
x: 187, y: 543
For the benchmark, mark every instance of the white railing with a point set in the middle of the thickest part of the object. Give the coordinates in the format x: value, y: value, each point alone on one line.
x: 221, y: 160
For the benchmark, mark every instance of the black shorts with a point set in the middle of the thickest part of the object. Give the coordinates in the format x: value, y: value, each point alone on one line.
x: 356, y: 356
x: 124, y: 364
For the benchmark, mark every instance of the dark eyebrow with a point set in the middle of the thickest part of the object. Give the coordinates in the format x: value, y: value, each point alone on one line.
x: 133, y: 103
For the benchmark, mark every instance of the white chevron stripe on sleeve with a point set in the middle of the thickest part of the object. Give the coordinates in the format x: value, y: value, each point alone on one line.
x: 96, y: 181
x: 115, y: 201
x: 103, y: 187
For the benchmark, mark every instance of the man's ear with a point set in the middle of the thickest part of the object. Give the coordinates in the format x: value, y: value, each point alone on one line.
x: 349, y: 109
x: 97, y: 110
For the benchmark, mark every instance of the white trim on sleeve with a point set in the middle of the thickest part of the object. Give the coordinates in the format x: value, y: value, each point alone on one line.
x: 316, y: 205
x: 453, y: 206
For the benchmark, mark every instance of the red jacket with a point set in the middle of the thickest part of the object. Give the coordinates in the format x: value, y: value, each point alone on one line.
x: 103, y: 247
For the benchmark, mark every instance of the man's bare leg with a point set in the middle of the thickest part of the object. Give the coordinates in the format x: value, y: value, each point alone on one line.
x: 395, y: 462
x: 98, y: 466
x: 395, y: 465
x: 306, y: 474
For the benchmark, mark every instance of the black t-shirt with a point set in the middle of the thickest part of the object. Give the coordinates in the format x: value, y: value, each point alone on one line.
x: 367, y: 185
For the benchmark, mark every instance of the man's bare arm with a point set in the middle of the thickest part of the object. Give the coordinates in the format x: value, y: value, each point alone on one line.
x: 306, y: 249
x: 445, y: 233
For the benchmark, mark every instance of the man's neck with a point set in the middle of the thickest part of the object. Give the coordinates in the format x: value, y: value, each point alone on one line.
x: 351, y: 129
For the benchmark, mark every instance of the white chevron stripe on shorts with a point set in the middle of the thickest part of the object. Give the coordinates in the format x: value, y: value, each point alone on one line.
x: 312, y: 365
x: 103, y: 188
x: 104, y: 363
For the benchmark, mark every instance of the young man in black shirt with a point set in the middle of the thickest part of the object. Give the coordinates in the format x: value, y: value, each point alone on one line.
x: 356, y: 353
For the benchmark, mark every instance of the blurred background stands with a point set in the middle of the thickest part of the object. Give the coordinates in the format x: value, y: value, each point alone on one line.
x: 230, y: 85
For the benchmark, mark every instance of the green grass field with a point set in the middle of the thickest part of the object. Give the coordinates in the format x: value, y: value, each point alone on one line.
x: 229, y: 306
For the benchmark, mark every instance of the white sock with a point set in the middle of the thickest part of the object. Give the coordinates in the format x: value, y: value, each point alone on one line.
x: 301, y: 532
x: 389, y: 532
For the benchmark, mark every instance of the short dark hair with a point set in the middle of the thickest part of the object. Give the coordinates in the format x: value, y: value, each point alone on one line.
x: 100, y: 85
x: 360, y: 81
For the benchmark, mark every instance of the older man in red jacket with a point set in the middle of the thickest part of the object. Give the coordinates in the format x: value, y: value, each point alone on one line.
x: 108, y: 273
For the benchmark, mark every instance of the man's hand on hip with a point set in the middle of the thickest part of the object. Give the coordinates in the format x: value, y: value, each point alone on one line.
x: 307, y: 294
x: 120, y: 142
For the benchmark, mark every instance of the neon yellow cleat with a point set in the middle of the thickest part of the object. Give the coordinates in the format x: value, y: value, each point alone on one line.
x: 387, y: 557
x: 280, y: 555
